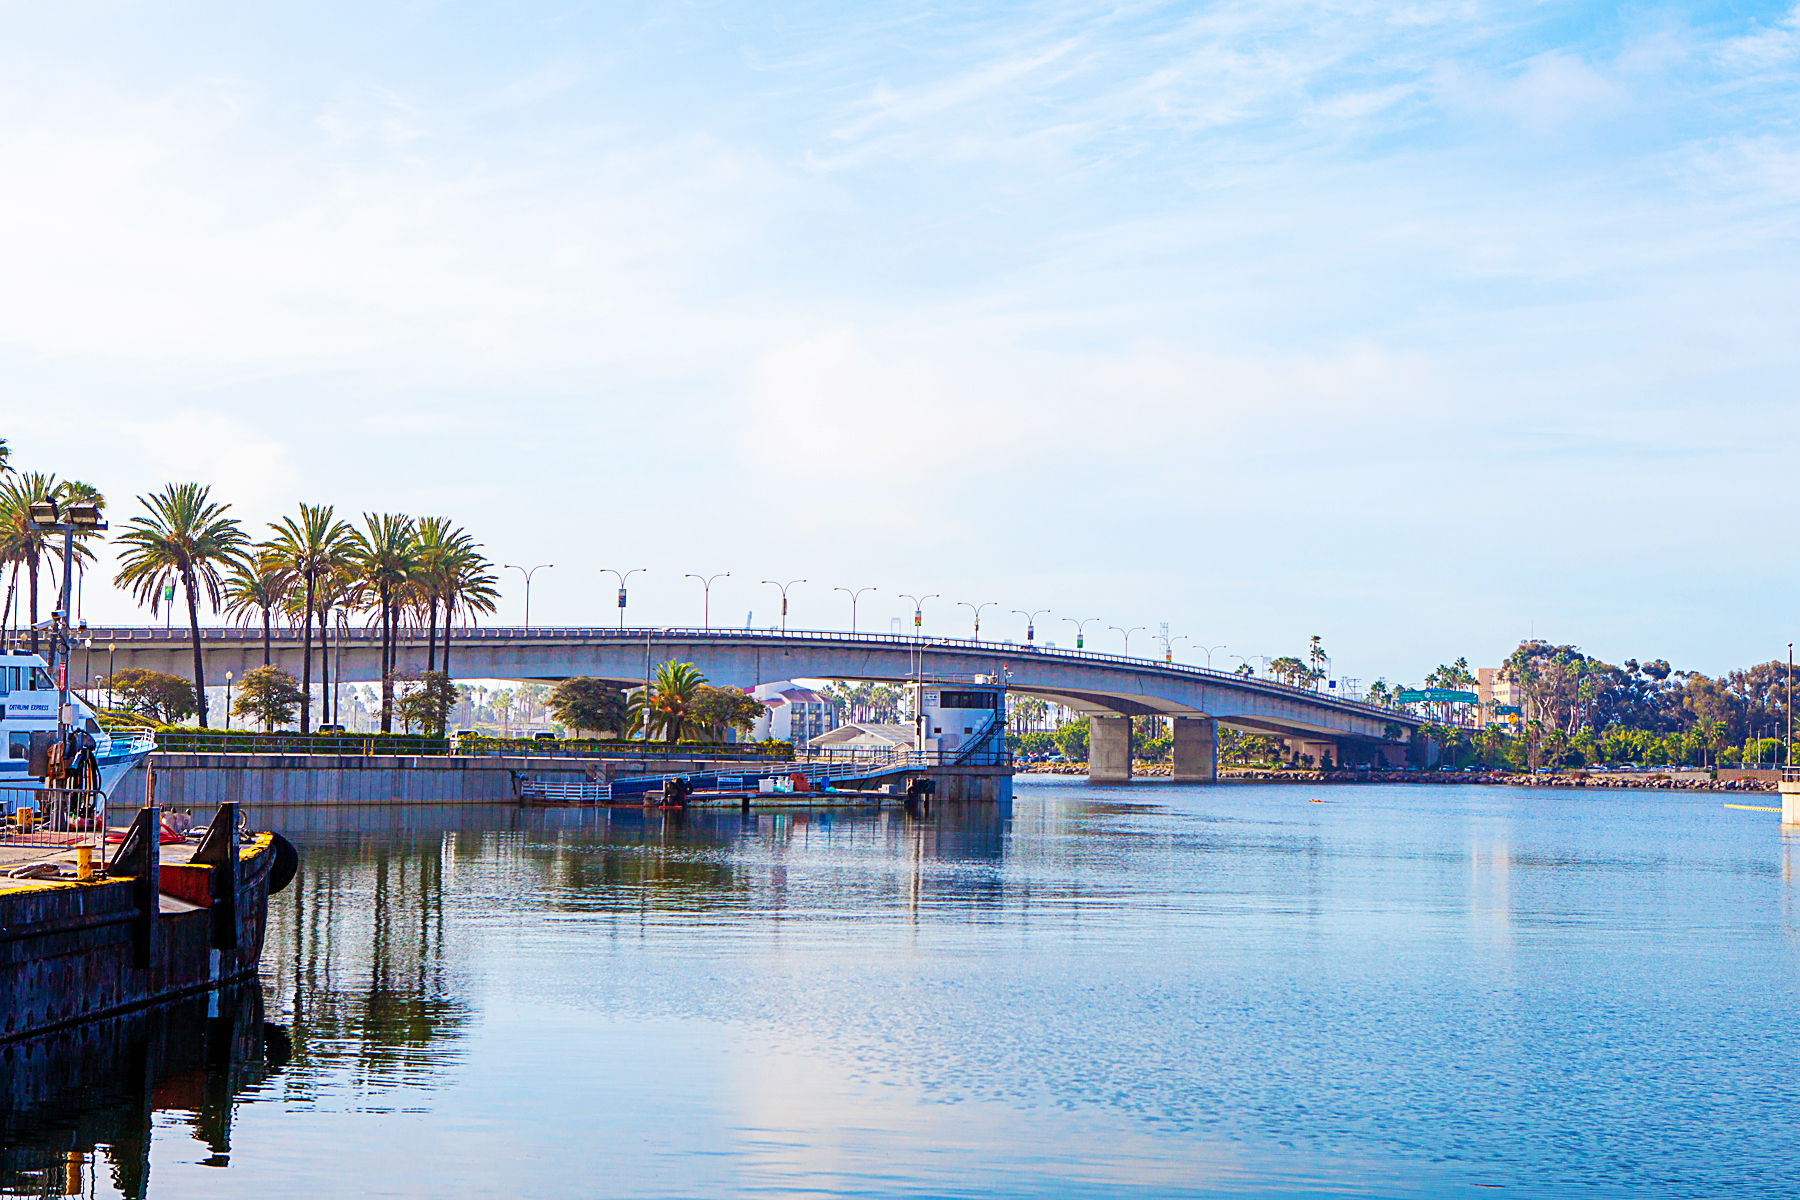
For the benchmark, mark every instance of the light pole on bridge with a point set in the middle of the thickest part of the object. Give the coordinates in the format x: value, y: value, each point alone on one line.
x: 1080, y: 626
x: 1209, y: 652
x: 1031, y: 622
x: 976, y: 609
x: 854, y: 595
x: 528, y: 575
x: 1127, y: 633
x: 919, y: 610
x: 706, y: 582
x: 622, y: 578
x: 784, y: 587
x: 1168, y: 645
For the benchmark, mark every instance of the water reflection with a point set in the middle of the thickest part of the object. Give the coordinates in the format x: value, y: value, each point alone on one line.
x: 83, y: 1100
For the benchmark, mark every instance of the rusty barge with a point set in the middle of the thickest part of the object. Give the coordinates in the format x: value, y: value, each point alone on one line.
x: 168, y: 913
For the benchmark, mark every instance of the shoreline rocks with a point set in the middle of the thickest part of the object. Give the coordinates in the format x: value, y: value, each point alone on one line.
x: 1650, y: 781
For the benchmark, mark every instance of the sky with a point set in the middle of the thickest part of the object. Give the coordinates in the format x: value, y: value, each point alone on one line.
x: 1422, y: 327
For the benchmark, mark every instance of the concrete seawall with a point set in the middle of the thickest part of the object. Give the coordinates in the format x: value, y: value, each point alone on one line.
x: 204, y: 781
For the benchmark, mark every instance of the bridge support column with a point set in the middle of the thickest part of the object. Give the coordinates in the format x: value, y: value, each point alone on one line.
x: 1109, y: 749
x: 1196, y: 750
x: 1320, y: 752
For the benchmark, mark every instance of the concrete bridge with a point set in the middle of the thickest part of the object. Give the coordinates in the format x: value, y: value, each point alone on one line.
x: 1108, y: 688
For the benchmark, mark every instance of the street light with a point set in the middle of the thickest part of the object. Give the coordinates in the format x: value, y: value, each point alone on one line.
x: 919, y: 609
x: 228, y: 702
x: 528, y: 575
x: 622, y: 579
x: 1246, y: 662
x: 853, y: 597
x: 1168, y: 644
x: 1080, y: 626
x: 784, y: 587
x: 112, y: 701
x: 1031, y: 622
x: 1127, y: 633
x: 706, y: 582
x: 976, y: 609
x: 1209, y: 652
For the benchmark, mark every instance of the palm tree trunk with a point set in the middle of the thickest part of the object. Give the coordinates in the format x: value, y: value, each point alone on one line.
x: 431, y: 638
x: 266, y: 637
x: 31, y: 566
x: 306, y: 658
x: 448, y: 600
x: 324, y: 668
x: 387, y: 665
x: 187, y: 581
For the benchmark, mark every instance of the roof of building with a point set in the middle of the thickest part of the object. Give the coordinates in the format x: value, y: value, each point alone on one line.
x: 866, y: 734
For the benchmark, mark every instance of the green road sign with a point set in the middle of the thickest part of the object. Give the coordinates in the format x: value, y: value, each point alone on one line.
x: 1449, y: 695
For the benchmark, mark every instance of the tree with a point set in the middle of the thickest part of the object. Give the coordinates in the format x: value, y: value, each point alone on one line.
x: 383, y: 550
x: 24, y: 546
x: 472, y: 590
x: 1289, y: 670
x: 256, y: 585
x: 1072, y: 740
x: 184, y: 536
x: 269, y: 695
x: 155, y: 694
x: 425, y: 703
x: 714, y: 710
x: 307, y: 549
x: 591, y: 704
x: 670, y: 701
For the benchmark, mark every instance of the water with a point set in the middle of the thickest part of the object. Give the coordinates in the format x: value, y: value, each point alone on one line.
x: 1155, y: 990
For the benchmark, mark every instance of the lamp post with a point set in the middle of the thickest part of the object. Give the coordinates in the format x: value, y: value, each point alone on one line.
x: 1127, y: 633
x: 918, y: 610
x: 1209, y: 652
x: 853, y: 598
x: 622, y: 579
x: 1031, y: 622
x: 784, y: 587
x: 976, y: 609
x: 706, y: 582
x: 528, y: 575
x: 1168, y: 644
x: 1080, y: 626
x: 112, y: 699
x: 1244, y: 661
x: 228, y: 702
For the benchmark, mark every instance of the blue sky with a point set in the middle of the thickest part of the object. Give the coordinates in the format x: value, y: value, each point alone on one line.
x: 1419, y: 327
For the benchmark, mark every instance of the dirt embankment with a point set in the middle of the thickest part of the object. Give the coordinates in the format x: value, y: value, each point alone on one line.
x: 1647, y: 780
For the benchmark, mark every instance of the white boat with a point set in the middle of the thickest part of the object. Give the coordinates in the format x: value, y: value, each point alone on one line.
x: 28, y: 706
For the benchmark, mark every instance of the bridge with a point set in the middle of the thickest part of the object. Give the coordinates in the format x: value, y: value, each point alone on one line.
x: 1109, y: 689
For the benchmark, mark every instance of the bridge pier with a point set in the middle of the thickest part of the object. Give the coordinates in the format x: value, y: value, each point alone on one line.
x: 1319, y: 751
x: 1109, y: 749
x: 1196, y: 750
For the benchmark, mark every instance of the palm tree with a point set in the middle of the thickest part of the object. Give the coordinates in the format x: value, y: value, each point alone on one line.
x: 186, y: 536
x: 5, y: 457
x: 444, y: 552
x: 307, y: 548
x: 671, y: 700
x: 383, y: 551
x: 472, y: 588
x: 24, y: 546
x: 259, y: 584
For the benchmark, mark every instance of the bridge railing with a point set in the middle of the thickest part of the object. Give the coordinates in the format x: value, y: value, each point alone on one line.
x: 96, y: 639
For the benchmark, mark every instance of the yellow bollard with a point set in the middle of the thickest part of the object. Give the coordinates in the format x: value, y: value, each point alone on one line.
x: 72, y: 1174
x: 26, y: 818
x: 84, y: 862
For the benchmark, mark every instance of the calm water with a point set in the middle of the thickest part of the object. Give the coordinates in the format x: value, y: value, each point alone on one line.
x: 1152, y: 990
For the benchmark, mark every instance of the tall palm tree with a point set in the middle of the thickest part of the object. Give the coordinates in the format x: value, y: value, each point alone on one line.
x: 185, y: 536
x: 5, y: 457
x: 258, y: 584
x: 443, y: 549
x: 383, y: 551
x: 335, y: 590
x: 24, y: 546
x: 472, y: 588
x: 307, y: 548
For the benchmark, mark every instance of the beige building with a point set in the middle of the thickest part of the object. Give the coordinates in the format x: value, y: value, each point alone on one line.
x: 1495, y: 688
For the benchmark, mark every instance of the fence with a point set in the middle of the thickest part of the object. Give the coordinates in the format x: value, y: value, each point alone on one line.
x: 368, y: 745
x: 52, y: 818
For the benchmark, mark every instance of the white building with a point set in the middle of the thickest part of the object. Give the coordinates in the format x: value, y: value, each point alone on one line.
x: 792, y: 713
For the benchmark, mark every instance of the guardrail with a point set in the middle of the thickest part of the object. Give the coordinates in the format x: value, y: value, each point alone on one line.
x: 383, y: 745
x: 51, y: 818
x: 418, y: 639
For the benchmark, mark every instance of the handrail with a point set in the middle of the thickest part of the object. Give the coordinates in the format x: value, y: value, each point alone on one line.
x: 415, y: 638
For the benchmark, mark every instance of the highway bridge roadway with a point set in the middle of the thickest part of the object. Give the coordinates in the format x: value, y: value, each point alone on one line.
x: 1108, y: 688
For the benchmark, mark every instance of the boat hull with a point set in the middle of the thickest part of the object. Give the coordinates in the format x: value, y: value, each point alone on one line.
x: 72, y: 951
